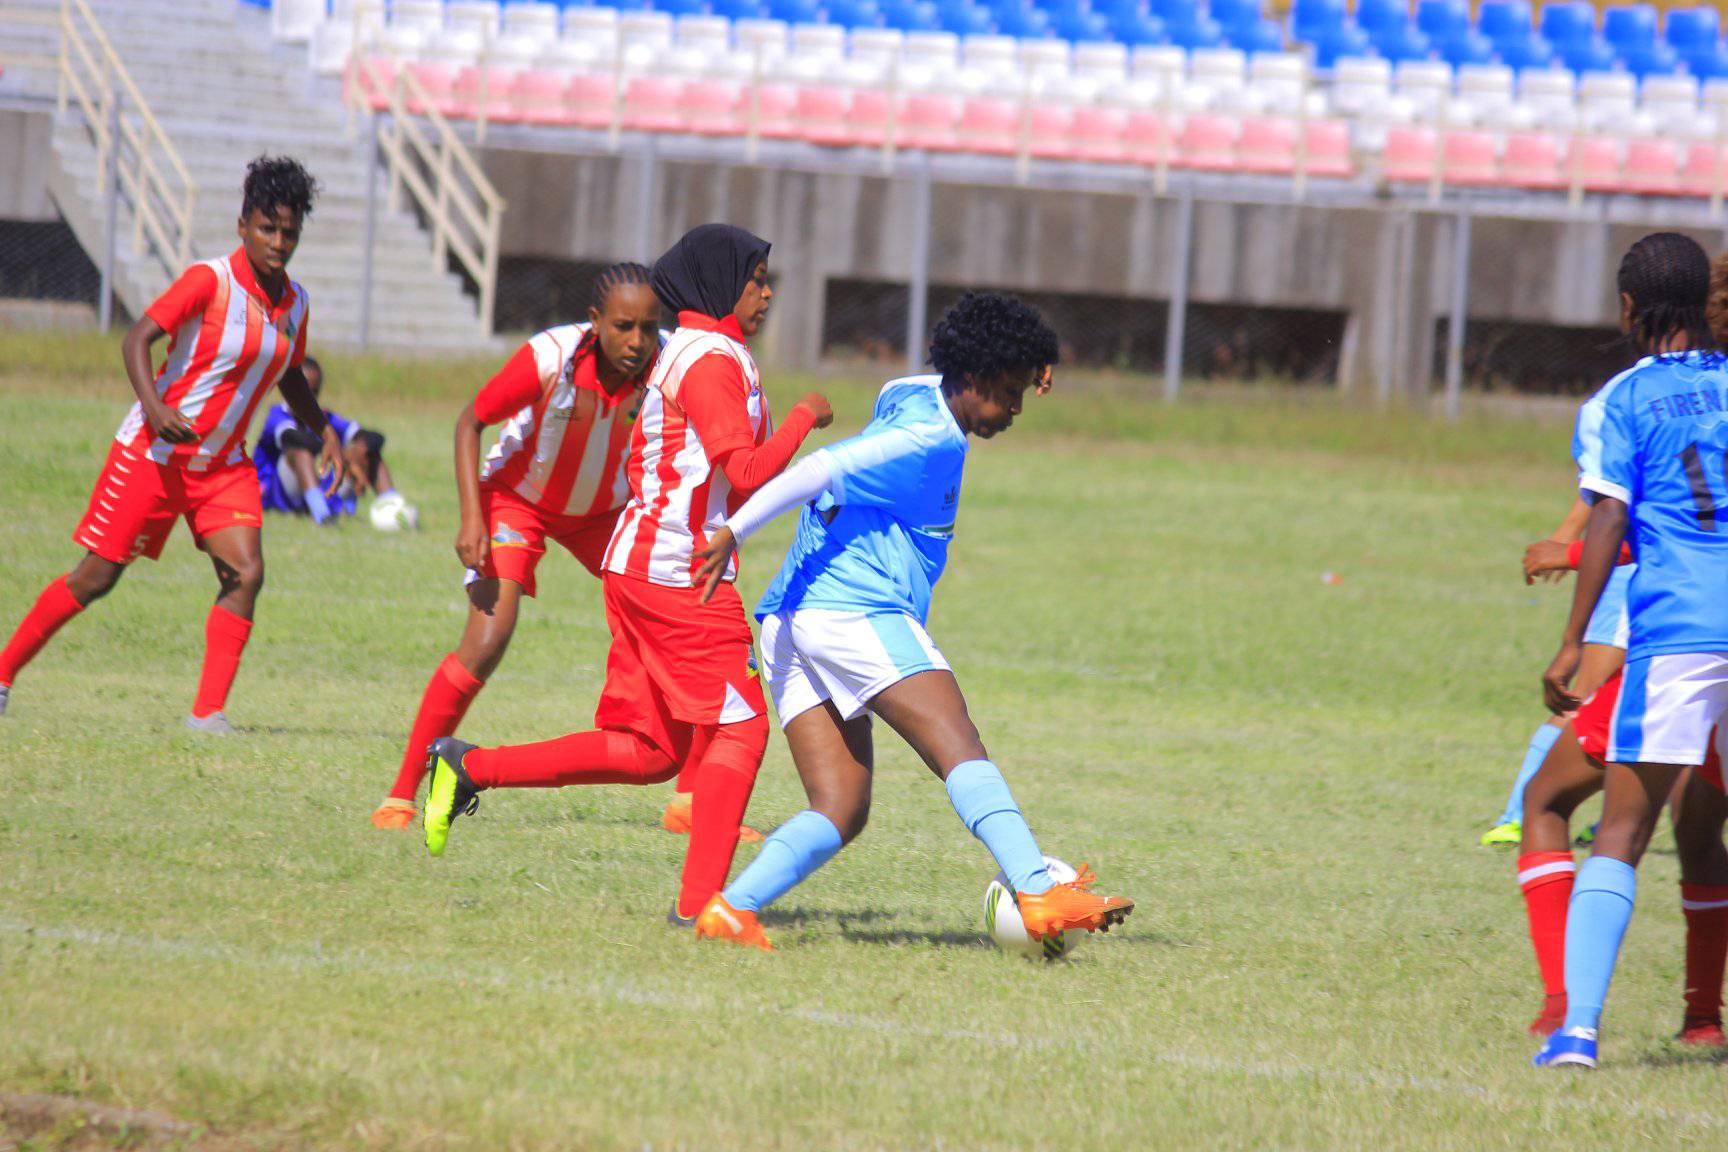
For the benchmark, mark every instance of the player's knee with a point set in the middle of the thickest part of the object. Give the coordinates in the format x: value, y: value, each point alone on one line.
x: 90, y: 582
x: 249, y: 575
x: 304, y: 441
x: 848, y: 813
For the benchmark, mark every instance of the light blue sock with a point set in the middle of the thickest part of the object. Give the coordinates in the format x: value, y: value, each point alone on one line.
x: 1595, y: 924
x: 791, y: 852
x: 982, y: 799
x: 317, y: 505
x: 1533, y: 757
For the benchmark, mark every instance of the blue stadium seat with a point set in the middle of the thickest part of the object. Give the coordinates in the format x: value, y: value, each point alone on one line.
x: 740, y: 9
x: 1137, y: 28
x: 1708, y: 63
x: 963, y: 18
x: 796, y: 11
x: 1655, y: 59
x: 1527, y: 51
x: 682, y: 7
x: 1343, y: 41
x: 1629, y: 26
x: 1403, y: 43
x: 1693, y: 29
x: 1315, y: 20
x: 1443, y: 20
x: 1176, y: 11
x: 1504, y: 19
x: 1237, y: 13
x: 1255, y: 36
x: 854, y: 13
x: 1202, y: 32
x: 1378, y: 16
x: 1022, y: 20
x: 1081, y: 26
x: 1467, y: 47
x: 1568, y: 23
x: 910, y: 15
x: 1592, y: 55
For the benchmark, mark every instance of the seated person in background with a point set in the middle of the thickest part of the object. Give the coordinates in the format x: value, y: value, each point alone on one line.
x: 286, y: 459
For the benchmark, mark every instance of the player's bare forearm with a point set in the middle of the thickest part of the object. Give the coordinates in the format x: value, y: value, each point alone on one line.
x: 297, y: 394
x: 1605, y: 531
x: 1572, y: 527
x: 471, y: 541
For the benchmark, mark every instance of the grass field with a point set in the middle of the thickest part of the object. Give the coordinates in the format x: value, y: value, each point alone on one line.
x: 1288, y: 775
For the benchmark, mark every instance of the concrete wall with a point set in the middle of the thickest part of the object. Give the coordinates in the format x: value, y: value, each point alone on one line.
x: 25, y: 154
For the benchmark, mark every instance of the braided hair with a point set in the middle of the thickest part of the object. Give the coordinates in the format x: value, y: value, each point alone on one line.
x: 617, y: 276
x: 1667, y: 276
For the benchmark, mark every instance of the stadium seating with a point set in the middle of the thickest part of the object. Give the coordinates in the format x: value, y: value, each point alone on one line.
x: 1369, y: 89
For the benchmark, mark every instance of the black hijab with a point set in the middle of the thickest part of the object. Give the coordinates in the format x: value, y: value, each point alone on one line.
x: 708, y: 270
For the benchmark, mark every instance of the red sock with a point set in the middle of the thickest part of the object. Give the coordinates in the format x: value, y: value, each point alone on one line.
x: 53, y: 608
x: 1706, y: 908
x: 598, y: 757
x: 723, y: 781
x: 224, y: 639
x: 1546, y: 878
x: 442, y: 706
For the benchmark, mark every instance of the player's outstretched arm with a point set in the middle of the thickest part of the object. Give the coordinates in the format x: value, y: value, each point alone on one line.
x: 793, y: 488
x: 1603, y: 536
x: 168, y: 423
x: 332, y: 461
x: 472, y: 543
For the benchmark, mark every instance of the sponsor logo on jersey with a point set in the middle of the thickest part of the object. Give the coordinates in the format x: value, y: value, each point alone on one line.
x: 504, y: 536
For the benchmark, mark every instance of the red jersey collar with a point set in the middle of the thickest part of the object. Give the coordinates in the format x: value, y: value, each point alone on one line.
x: 242, y: 269
x: 727, y: 327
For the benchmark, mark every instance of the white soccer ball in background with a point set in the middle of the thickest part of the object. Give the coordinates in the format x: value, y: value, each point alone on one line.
x: 394, y: 514
x: 1002, y: 918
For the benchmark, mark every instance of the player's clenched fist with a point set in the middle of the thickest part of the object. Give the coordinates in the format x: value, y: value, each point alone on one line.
x: 472, y: 545
x: 819, y: 408
x: 170, y: 424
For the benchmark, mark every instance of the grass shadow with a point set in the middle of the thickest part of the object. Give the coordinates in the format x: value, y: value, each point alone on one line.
x: 1676, y: 1055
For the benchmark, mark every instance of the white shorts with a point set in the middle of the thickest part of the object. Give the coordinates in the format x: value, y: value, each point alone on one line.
x: 813, y: 655
x: 1667, y: 707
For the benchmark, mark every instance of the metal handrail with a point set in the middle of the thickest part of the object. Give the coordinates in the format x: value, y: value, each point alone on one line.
x: 423, y: 155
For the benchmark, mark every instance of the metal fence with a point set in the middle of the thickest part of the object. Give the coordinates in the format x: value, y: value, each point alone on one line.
x: 46, y: 278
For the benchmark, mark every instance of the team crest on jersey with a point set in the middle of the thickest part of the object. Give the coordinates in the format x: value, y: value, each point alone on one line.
x: 504, y: 536
x: 289, y: 329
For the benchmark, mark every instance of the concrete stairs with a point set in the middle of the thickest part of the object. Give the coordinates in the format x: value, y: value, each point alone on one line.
x: 224, y: 93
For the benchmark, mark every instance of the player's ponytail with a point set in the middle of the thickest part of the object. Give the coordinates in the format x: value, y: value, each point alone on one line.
x: 1667, y: 277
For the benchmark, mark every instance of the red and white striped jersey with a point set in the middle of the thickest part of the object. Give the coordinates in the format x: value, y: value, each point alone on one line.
x: 677, y: 496
x: 564, y: 440
x: 228, y: 346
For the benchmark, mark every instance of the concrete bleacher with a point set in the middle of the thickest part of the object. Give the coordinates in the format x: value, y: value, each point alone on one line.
x: 1395, y: 105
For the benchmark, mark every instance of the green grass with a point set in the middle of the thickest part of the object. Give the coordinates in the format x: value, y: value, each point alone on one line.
x: 1287, y: 775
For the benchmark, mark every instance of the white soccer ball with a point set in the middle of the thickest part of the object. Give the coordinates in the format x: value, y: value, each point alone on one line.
x: 1002, y: 918
x: 394, y: 514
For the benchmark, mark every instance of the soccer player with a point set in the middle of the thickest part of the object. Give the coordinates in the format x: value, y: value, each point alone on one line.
x: 236, y: 326
x: 1650, y: 446
x: 568, y: 401
x: 286, y: 459
x: 843, y: 624
x: 681, y: 685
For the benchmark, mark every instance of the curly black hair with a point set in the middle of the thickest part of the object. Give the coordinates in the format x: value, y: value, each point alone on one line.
x: 989, y: 335
x: 274, y: 182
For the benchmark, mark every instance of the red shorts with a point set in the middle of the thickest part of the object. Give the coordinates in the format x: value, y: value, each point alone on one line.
x: 675, y: 661
x: 136, y: 501
x: 518, y: 532
x: 1594, y: 716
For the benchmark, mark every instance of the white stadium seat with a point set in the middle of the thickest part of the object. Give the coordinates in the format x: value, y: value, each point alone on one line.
x: 709, y: 33
x: 1107, y: 62
x: 591, y: 25
x: 933, y: 49
x: 531, y: 19
x: 880, y: 45
x: 768, y: 38
x: 481, y: 17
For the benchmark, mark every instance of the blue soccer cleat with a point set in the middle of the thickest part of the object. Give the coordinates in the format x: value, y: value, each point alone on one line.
x: 1575, y: 1047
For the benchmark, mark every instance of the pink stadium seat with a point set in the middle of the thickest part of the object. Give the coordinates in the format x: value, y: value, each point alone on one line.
x: 929, y: 123
x: 713, y: 108
x: 1595, y: 164
x: 775, y: 107
x: 1149, y: 138
x: 868, y: 118
x: 1098, y: 134
x: 1051, y: 127
x: 1705, y: 169
x: 822, y: 116
x: 1533, y: 160
x: 440, y: 85
x: 1652, y: 168
x: 1410, y: 155
x: 1208, y: 143
x: 1470, y: 159
x: 652, y: 105
x: 990, y: 126
x: 499, y: 95
x: 539, y: 98
x: 1267, y: 146
x: 375, y: 81
x: 1328, y: 146
x: 588, y: 101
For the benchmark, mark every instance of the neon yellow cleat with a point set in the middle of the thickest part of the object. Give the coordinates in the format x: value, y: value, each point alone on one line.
x: 452, y: 793
x: 1586, y: 837
x: 1507, y: 835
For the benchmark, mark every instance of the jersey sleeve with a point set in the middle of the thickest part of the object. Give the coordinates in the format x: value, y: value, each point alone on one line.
x: 1605, y: 446
x: 516, y: 386
x: 879, y: 469
x: 185, y: 298
x: 716, y: 398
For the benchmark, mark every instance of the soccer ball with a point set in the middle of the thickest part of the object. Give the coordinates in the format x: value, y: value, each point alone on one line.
x: 1002, y: 919
x: 394, y: 514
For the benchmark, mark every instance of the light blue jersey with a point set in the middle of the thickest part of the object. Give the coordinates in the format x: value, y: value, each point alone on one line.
x: 877, y: 539
x: 1656, y: 437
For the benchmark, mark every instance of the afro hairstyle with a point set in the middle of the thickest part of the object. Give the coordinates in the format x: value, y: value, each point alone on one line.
x: 988, y: 335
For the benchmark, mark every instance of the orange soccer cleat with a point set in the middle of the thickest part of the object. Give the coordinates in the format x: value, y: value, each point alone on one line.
x: 1071, y: 905
x: 393, y: 814
x: 721, y: 921
x: 676, y: 820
